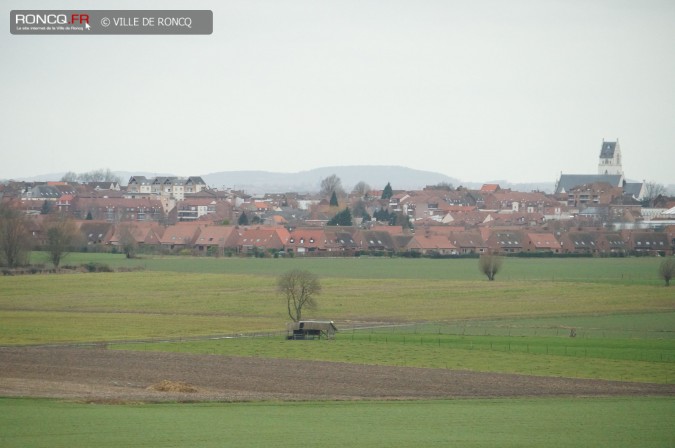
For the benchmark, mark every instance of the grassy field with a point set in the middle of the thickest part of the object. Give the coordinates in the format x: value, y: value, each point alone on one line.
x: 617, y: 422
x: 625, y: 330
x: 439, y: 313
x: 605, y: 270
x: 114, y: 306
x: 612, y: 356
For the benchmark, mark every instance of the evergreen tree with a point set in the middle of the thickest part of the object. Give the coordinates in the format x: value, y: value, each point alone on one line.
x: 344, y: 218
x: 387, y: 192
x: 333, y: 200
x: 382, y: 215
x: 46, y: 208
x: 243, y: 219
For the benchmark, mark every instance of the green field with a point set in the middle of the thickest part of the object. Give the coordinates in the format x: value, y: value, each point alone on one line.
x: 403, y: 312
x: 616, y: 422
x: 606, y: 270
x: 436, y: 313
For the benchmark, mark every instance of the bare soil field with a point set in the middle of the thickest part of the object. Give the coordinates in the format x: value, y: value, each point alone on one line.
x: 100, y: 375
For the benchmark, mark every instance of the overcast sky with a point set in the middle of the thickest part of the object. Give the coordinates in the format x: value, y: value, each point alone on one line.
x: 479, y: 90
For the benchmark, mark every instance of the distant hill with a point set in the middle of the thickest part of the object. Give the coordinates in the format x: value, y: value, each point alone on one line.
x: 376, y: 176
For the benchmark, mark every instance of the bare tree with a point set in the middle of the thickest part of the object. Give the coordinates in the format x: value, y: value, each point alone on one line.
x: 652, y: 191
x: 100, y: 175
x: 14, y: 237
x: 70, y: 176
x: 442, y: 186
x: 298, y: 288
x: 490, y: 264
x: 61, y: 234
x: 667, y: 270
x: 361, y: 189
x: 331, y: 184
x: 128, y: 241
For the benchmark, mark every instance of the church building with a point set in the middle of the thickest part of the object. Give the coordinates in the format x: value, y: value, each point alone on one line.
x: 610, y: 159
x: 610, y: 171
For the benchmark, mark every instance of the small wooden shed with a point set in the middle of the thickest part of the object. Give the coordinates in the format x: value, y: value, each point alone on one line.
x: 311, y: 329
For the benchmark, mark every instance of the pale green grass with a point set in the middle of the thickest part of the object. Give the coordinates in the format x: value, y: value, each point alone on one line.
x: 145, y: 303
x: 53, y: 327
x: 612, y: 422
x: 600, y: 359
x: 628, y: 270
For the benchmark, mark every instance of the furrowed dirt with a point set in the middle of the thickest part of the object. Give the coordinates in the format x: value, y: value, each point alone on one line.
x: 101, y: 375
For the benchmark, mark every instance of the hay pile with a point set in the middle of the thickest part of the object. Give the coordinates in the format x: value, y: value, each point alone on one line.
x: 173, y: 386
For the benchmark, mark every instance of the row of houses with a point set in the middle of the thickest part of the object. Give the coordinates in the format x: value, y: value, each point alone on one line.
x: 168, y: 200
x: 203, y: 238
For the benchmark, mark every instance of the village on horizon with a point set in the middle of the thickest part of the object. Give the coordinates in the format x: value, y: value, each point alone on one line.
x: 599, y: 214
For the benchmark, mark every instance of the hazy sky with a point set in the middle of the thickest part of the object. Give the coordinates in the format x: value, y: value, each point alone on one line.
x: 478, y: 90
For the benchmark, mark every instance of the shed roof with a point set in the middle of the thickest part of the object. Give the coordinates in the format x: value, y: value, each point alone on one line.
x: 322, y: 325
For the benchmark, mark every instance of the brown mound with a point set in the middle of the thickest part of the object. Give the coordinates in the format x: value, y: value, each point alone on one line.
x: 173, y: 386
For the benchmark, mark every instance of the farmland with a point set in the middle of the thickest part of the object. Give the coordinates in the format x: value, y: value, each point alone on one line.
x: 645, y: 422
x: 440, y: 316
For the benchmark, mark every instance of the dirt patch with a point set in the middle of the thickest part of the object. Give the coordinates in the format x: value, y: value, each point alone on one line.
x: 95, y: 375
x: 173, y: 386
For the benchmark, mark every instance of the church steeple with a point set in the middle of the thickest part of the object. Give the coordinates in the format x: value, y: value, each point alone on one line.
x: 610, y: 158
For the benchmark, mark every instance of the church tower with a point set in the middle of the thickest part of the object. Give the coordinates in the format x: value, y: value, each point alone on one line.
x: 610, y: 158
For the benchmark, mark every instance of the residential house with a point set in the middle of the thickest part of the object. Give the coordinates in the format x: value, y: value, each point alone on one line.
x: 431, y: 245
x: 506, y: 241
x: 541, y: 243
x: 303, y: 240
x: 64, y: 202
x: 181, y: 235
x: 340, y: 239
x: 517, y: 201
x: 95, y: 233
x: 144, y: 233
x: 259, y: 239
x: 468, y: 218
x: 194, y: 209
x: 592, y: 195
x: 41, y: 192
x: 490, y: 188
x: 214, y: 239
x: 612, y: 243
x: 515, y: 219
x: 468, y: 242
x: 653, y: 243
x: 117, y: 209
x: 170, y: 188
x: 138, y: 186
x: 580, y: 243
x: 103, y: 186
x: 375, y: 240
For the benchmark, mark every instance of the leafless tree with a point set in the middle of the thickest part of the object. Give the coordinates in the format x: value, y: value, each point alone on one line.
x: 61, y: 234
x: 128, y: 241
x: 667, y: 270
x: 331, y: 184
x: 100, y: 175
x: 361, y: 189
x: 652, y: 191
x: 14, y: 237
x: 299, y: 288
x: 490, y: 264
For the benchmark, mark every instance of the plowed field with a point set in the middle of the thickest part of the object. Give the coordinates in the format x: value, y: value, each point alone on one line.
x: 101, y: 375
